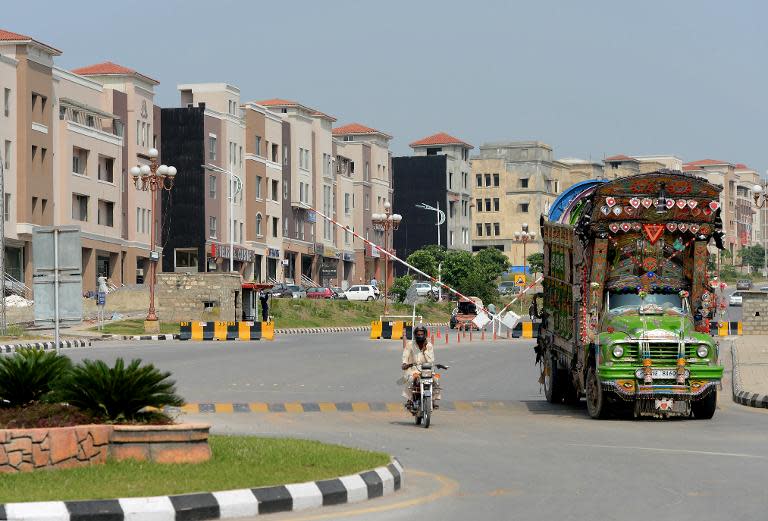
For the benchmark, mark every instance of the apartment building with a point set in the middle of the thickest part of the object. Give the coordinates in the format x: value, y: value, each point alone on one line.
x: 437, y: 173
x: 366, y: 153
x: 14, y: 245
x: 748, y: 178
x: 513, y: 184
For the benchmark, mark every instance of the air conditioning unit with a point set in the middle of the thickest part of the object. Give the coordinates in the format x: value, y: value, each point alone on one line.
x: 139, y: 272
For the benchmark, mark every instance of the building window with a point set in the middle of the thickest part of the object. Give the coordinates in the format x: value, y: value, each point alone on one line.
x: 367, y: 172
x: 106, y: 169
x: 465, y: 208
x: 257, y: 146
x: 258, y: 225
x: 275, y: 148
x: 106, y: 213
x: 479, y: 205
x: 7, y: 154
x: 487, y: 205
x: 524, y: 182
x: 450, y: 180
x: 487, y: 179
x: 479, y: 230
x: 212, y: 187
x: 258, y: 187
x: 488, y: 229
x: 367, y: 202
x: 275, y: 190
x: 479, y: 180
x: 186, y: 259
x: 452, y: 209
x: 465, y: 236
x: 276, y: 226
x: 212, y: 227
x: 347, y: 207
x: 7, y: 208
x: 143, y: 133
x: 495, y: 179
x: 285, y: 154
x: 496, y: 229
x: 90, y: 121
x: 450, y: 238
x: 242, y: 238
x: 7, y: 102
x: 79, y: 161
x: 79, y: 207
x: 212, y: 148
x: 285, y: 191
x: 522, y: 208
x: 138, y: 130
x: 495, y: 204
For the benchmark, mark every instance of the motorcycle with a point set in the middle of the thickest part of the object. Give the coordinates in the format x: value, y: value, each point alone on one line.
x: 421, y: 406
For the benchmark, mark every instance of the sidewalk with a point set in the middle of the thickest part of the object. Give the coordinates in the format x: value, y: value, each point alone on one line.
x: 751, y: 359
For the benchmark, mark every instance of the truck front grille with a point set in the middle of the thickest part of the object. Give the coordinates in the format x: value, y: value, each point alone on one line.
x: 660, y: 352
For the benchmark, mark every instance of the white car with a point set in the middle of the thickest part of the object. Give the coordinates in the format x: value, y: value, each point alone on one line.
x: 424, y: 288
x: 735, y: 299
x: 361, y: 292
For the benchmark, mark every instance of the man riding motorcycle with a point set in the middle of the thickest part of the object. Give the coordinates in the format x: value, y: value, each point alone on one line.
x: 420, y: 351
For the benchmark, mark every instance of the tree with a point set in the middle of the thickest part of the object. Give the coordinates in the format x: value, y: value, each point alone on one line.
x: 536, y: 262
x: 492, y: 261
x: 753, y: 256
x: 400, y: 285
x: 423, y: 260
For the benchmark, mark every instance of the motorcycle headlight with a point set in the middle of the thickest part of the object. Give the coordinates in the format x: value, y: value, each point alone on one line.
x: 618, y: 351
x: 702, y: 351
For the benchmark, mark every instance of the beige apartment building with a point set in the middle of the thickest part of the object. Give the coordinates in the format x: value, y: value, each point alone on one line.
x: 14, y: 245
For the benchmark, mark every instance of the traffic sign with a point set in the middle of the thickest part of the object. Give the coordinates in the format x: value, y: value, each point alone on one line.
x: 520, y: 280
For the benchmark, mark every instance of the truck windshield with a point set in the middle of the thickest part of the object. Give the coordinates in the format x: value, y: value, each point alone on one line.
x: 625, y: 300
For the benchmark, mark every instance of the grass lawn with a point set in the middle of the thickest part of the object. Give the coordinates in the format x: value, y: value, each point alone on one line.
x: 134, y: 327
x: 237, y: 462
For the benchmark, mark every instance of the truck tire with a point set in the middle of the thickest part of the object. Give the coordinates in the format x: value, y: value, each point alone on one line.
x: 552, y: 382
x: 596, y: 402
x: 705, y: 408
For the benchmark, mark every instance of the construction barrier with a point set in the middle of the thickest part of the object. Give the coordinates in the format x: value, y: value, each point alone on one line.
x: 726, y: 328
x: 394, y: 330
x: 526, y: 329
x: 226, y: 330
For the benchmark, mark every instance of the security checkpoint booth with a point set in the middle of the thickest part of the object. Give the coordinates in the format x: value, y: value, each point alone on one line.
x: 251, y: 293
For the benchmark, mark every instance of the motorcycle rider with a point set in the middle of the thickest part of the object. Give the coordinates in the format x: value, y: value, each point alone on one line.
x: 420, y: 351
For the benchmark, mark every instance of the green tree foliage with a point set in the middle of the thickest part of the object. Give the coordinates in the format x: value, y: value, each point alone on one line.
x: 400, y: 286
x: 492, y: 261
x: 423, y: 260
x: 29, y: 375
x: 536, y: 262
x: 753, y: 256
x: 120, y: 392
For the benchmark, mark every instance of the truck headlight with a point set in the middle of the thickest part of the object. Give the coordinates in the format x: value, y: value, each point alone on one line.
x: 618, y: 351
x: 702, y: 351
x: 640, y: 374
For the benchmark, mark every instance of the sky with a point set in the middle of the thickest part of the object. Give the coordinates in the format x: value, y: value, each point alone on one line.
x: 590, y: 78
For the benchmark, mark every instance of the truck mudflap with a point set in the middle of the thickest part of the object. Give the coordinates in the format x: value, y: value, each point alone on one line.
x: 632, y: 389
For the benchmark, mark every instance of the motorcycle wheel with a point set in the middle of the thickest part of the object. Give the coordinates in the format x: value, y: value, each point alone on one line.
x: 427, y: 411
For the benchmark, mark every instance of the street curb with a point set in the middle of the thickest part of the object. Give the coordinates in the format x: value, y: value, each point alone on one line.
x: 352, y: 329
x: 140, y: 337
x: 740, y: 395
x: 381, y: 481
x: 45, y: 346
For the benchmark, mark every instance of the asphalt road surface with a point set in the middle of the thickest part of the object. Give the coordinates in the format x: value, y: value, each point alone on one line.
x: 512, y: 456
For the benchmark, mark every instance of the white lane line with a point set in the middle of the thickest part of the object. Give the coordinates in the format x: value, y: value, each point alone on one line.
x: 679, y: 451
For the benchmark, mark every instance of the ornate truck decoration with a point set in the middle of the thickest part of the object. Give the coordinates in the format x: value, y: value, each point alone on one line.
x: 627, y: 295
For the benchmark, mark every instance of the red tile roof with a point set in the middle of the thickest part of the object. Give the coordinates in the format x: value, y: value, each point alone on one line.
x: 441, y: 138
x: 621, y: 157
x: 323, y: 115
x: 277, y: 102
x: 705, y: 162
x: 9, y: 36
x: 357, y: 128
x: 742, y: 166
x: 111, y: 69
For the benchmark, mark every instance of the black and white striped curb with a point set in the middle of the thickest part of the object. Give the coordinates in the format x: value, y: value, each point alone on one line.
x: 740, y: 395
x: 374, y: 483
x: 140, y: 337
x: 45, y: 346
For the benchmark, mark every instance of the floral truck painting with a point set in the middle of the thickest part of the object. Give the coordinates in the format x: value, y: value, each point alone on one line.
x: 626, y: 296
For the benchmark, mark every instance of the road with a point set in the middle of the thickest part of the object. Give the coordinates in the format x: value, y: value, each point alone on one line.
x: 512, y: 456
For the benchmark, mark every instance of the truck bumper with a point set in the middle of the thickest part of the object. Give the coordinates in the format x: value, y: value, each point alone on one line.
x: 623, y: 382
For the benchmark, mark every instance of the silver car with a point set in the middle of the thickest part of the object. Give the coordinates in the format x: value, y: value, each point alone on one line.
x: 297, y: 291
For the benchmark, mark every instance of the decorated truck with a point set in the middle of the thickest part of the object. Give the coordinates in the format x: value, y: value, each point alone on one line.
x: 626, y: 296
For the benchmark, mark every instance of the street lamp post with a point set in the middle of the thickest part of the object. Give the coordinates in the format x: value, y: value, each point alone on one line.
x: 385, y: 222
x: 153, y: 178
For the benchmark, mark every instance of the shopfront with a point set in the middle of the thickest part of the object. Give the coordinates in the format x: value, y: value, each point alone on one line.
x: 219, y: 259
x: 274, y: 266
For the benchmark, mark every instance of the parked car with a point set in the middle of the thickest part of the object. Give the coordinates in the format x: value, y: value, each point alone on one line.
x: 297, y: 291
x: 320, y: 293
x: 744, y: 284
x: 508, y: 287
x: 423, y: 289
x: 361, y: 292
x: 339, y: 293
x: 282, y: 290
x: 764, y: 288
x: 735, y: 299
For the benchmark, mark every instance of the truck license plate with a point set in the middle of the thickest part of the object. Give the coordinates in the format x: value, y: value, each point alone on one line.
x: 664, y: 373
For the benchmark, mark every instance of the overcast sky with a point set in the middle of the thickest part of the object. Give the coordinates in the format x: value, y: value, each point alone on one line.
x: 591, y: 78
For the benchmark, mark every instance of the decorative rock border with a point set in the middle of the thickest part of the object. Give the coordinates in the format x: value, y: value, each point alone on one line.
x: 740, y: 395
x: 378, y: 482
x: 46, y: 346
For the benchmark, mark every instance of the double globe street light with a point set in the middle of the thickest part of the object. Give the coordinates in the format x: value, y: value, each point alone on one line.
x: 386, y: 222
x: 153, y: 178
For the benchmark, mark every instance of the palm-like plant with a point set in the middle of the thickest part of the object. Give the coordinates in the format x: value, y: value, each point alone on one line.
x: 119, y: 392
x: 30, y: 374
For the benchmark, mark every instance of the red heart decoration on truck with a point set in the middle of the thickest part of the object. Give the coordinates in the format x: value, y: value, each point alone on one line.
x: 681, y: 203
x: 610, y: 201
x: 635, y: 202
x: 671, y: 227
x: 692, y: 204
x: 670, y: 203
x: 626, y: 227
x: 707, y: 211
x: 647, y: 202
x: 694, y: 228
x: 682, y: 227
x: 714, y: 205
x: 613, y: 227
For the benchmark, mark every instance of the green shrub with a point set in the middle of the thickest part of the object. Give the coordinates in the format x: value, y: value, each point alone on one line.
x: 399, y: 288
x: 117, y: 393
x: 29, y: 375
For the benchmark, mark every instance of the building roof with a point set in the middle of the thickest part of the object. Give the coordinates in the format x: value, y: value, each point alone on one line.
x: 441, y: 138
x: 8, y: 36
x: 323, y: 115
x: 112, y: 69
x: 621, y: 157
x: 285, y: 103
x: 358, y: 129
x: 742, y: 166
x: 707, y: 162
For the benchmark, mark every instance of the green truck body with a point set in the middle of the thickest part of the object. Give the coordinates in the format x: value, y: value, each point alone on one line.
x: 627, y: 295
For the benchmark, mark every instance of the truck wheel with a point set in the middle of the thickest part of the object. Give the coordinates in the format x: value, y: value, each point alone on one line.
x: 704, y: 409
x: 552, y: 381
x: 595, y: 397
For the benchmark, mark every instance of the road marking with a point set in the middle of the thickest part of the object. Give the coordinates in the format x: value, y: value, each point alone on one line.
x: 679, y: 451
x: 448, y: 487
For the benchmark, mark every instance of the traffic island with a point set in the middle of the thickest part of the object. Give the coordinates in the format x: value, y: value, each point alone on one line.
x: 246, y: 476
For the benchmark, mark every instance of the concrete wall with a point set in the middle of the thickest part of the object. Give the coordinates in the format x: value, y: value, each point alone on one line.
x: 183, y: 296
x: 754, y: 313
